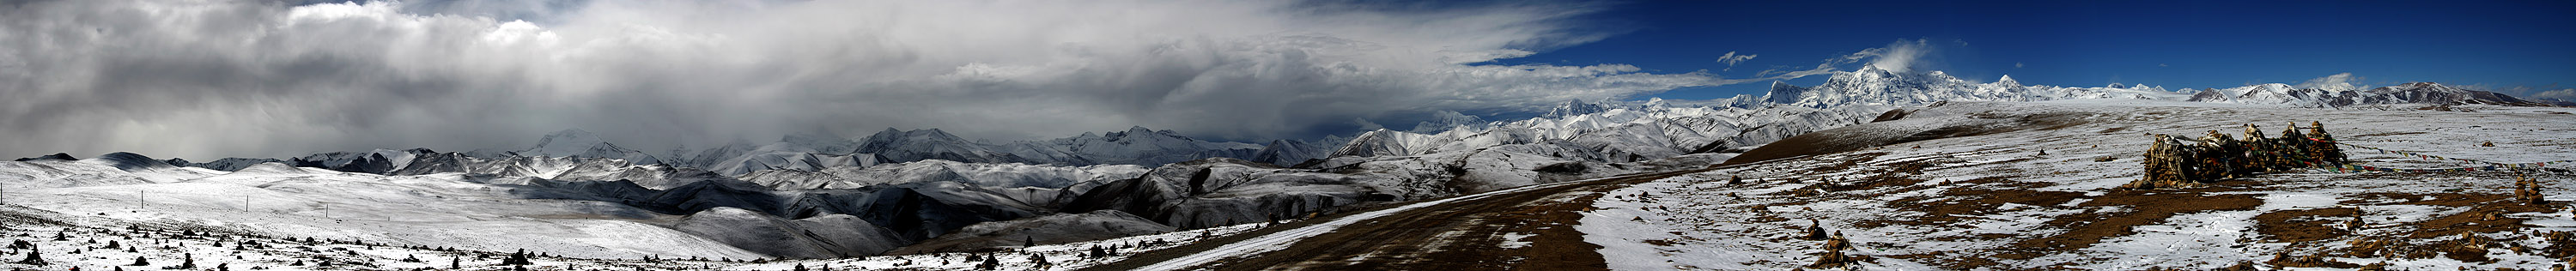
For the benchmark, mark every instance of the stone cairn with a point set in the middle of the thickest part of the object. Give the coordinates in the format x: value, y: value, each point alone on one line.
x: 1833, y: 256
x: 2177, y: 162
x: 2527, y: 190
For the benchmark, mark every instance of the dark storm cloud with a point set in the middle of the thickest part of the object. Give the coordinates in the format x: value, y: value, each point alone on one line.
x: 204, y: 80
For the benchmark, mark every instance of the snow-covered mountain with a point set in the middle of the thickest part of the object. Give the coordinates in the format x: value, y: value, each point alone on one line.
x: 1619, y: 134
x: 1573, y: 108
x: 813, y: 151
x: 1445, y: 120
x: 1873, y: 86
x: 578, y: 143
x: 786, y: 155
x: 2345, y: 95
x: 823, y: 195
x: 1141, y: 146
x: 992, y: 175
x: 234, y: 164
x: 925, y: 144
x: 2037, y: 185
x: 379, y: 161
x: 1289, y: 152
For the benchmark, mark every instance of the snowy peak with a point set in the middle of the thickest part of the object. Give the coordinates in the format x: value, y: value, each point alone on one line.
x: 1289, y: 152
x: 1445, y: 120
x: 1381, y: 142
x: 1576, y: 107
x: 1139, y: 131
x: 2341, y: 96
x: 710, y: 157
x: 235, y: 163
x: 1870, y: 85
x: 579, y: 143
x: 1873, y: 86
x: 886, y: 139
x: 789, y: 156
x: 822, y: 142
x: 367, y: 162
x: 1137, y: 145
x: 926, y: 144
x: 565, y: 143
x: 2429, y: 92
x: 1784, y: 93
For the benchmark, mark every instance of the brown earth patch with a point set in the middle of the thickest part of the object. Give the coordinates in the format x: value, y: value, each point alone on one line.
x: 2472, y: 220
x: 1915, y: 166
x: 1891, y: 179
x: 1980, y: 236
x: 2145, y: 208
x: 1869, y: 135
x: 2475, y: 219
x: 1554, y: 243
x: 1942, y: 210
x: 1990, y: 180
x: 1848, y: 162
x: 2302, y: 225
x: 1861, y: 183
x: 1960, y: 260
x: 1458, y: 235
x: 2439, y: 199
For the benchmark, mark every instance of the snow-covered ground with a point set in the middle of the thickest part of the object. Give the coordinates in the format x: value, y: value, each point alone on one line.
x: 2048, y: 197
x: 1067, y: 256
x: 165, y: 242
x: 437, y: 210
x: 94, y: 243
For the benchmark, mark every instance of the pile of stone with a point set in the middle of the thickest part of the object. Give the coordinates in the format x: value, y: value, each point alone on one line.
x: 2177, y: 162
x: 1833, y: 256
x: 2527, y: 190
x: 1835, y: 244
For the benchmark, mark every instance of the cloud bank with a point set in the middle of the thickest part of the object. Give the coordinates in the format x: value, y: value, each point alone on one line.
x: 1731, y: 59
x: 2339, y: 81
x: 1899, y: 57
x: 201, y: 80
x: 2561, y: 94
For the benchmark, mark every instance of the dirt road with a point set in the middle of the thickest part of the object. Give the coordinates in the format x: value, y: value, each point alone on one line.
x: 1527, y: 228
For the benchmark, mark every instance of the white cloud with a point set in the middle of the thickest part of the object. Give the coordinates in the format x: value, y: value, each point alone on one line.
x: 1901, y: 56
x: 1731, y: 58
x: 244, y: 78
x: 2561, y: 94
x: 2339, y: 81
x: 2016, y: 64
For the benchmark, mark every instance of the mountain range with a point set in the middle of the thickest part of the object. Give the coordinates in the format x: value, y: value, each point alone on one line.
x: 815, y: 195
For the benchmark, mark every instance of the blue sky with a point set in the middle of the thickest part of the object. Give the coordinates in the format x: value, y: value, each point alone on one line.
x: 2176, y: 44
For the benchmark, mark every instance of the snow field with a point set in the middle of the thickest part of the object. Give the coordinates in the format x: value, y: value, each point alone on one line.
x: 1993, y: 187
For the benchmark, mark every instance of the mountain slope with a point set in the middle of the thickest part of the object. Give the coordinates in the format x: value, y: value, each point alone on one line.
x: 2040, y: 195
x: 578, y: 143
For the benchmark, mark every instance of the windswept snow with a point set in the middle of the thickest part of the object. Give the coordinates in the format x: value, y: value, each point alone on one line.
x: 1281, y: 240
x: 438, y: 210
x: 1996, y: 202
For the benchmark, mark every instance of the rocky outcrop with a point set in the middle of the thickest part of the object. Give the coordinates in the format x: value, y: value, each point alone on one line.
x: 2174, y: 162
